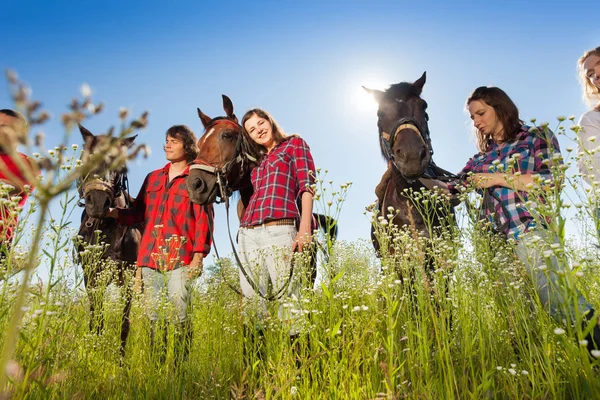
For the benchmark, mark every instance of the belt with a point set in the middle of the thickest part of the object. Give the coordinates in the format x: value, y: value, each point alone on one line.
x: 275, y: 222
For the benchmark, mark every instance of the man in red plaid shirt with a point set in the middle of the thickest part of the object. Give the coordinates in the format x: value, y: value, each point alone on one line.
x: 12, y: 164
x: 177, y: 233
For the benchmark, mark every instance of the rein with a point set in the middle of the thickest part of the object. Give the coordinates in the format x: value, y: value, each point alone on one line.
x: 432, y: 171
x: 240, y: 157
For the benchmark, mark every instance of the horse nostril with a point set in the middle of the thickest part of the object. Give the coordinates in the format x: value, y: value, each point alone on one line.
x: 199, y: 185
x: 107, y: 203
x: 423, y: 153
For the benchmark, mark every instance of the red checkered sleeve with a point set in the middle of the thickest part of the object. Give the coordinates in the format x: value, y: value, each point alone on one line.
x: 282, y: 176
x: 303, y: 167
x: 204, y: 228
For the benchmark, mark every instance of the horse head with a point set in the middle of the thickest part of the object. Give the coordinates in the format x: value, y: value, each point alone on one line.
x: 403, y: 130
x: 225, y: 158
x: 102, y: 186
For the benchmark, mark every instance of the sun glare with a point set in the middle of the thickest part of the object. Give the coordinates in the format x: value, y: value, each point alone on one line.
x: 363, y: 100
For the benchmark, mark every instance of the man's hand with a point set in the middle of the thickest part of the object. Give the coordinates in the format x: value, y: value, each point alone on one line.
x: 196, y: 266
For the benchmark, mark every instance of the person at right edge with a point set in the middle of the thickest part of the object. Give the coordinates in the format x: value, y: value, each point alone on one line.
x: 504, y: 140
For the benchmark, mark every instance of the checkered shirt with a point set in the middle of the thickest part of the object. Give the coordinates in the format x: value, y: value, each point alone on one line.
x: 174, y: 227
x: 506, y: 205
x: 282, y: 176
x: 8, y: 216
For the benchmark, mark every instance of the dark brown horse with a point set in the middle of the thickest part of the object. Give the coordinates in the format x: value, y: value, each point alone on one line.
x: 101, y: 189
x: 406, y: 146
x: 225, y: 161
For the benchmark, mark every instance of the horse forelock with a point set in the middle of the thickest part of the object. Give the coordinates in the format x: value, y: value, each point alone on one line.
x: 402, y: 90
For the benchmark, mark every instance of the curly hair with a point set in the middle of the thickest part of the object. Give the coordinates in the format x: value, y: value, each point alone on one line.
x: 186, y: 135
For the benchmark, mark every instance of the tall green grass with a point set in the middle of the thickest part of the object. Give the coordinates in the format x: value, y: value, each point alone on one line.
x: 372, y: 328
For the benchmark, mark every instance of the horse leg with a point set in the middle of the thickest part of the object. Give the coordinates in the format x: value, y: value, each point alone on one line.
x: 95, y: 297
x: 125, y: 322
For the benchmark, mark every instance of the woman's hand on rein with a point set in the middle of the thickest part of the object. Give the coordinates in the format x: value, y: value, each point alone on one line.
x: 302, y: 239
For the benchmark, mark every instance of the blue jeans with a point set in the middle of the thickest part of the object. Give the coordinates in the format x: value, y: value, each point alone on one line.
x: 160, y: 286
x: 558, y: 294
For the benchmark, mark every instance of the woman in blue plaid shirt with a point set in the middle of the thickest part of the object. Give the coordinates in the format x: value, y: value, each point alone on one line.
x: 512, y: 170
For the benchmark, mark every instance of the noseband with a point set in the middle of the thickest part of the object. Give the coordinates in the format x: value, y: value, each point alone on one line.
x: 240, y: 157
x: 112, y: 187
x: 387, y: 140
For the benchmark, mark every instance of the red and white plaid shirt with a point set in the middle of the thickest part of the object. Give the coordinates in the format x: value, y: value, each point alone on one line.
x: 8, y: 171
x: 174, y: 227
x: 282, y: 176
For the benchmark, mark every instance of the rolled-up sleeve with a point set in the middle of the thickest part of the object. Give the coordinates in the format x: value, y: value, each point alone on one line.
x: 204, y: 225
x: 303, y: 166
x: 547, y: 153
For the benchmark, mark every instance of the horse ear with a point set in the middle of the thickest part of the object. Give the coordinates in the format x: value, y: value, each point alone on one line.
x: 228, y: 106
x: 129, y: 141
x: 87, y: 135
x: 204, y: 118
x: 377, y: 94
x: 419, y: 83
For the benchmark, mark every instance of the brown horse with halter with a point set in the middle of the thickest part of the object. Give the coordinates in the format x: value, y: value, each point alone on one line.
x: 406, y: 146
x: 225, y: 161
x: 101, y: 189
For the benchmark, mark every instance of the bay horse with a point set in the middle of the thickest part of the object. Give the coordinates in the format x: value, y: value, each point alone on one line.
x: 101, y: 189
x: 224, y: 164
x: 405, y: 144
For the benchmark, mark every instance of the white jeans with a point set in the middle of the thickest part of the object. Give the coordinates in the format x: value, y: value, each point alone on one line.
x: 160, y: 286
x: 266, y: 254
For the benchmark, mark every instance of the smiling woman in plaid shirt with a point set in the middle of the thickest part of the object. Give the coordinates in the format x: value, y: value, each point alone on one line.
x: 512, y: 166
x: 273, y: 227
x: 589, y: 163
x: 176, y: 236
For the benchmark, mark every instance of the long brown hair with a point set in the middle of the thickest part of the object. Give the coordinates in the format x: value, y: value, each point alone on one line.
x: 278, y: 134
x: 186, y: 135
x: 591, y: 94
x: 506, y: 112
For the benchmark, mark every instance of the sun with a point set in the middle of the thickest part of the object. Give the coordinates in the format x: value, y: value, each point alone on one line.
x: 364, y: 101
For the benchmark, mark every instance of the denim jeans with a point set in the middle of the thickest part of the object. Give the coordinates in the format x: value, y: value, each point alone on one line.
x: 558, y: 295
x: 160, y: 286
x: 266, y: 254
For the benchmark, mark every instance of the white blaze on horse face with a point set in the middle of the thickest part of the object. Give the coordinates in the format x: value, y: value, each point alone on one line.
x: 485, y: 119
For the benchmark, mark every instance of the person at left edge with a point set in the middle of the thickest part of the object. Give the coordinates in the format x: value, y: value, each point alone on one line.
x: 12, y: 125
x: 176, y: 236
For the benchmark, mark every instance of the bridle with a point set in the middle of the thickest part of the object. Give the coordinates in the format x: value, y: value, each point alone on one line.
x: 387, y: 144
x: 114, y: 184
x: 387, y: 139
x: 243, y: 158
x: 240, y: 157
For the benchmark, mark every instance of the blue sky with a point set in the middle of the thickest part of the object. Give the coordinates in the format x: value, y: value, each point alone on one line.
x: 302, y: 61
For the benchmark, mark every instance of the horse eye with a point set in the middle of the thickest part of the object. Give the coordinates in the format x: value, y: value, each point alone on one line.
x: 426, y: 117
x: 227, y: 136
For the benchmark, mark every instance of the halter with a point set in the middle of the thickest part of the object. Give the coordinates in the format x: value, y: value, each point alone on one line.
x: 225, y: 190
x: 387, y: 142
x: 222, y: 172
x: 114, y: 186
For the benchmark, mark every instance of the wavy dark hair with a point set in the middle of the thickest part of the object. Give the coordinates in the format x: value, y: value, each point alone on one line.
x: 506, y: 112
x: 187, y: 136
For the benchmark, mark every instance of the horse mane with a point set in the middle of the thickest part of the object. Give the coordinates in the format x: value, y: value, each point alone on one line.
x: 402, y: 90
